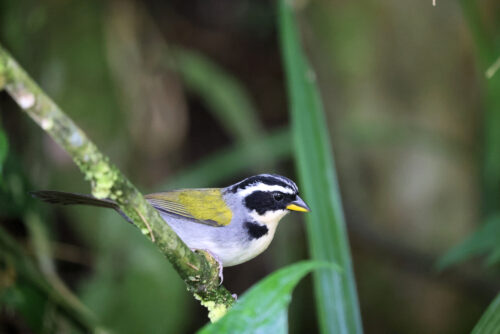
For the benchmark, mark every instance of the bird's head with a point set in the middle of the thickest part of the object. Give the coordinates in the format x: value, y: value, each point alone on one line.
x: 268, y: 197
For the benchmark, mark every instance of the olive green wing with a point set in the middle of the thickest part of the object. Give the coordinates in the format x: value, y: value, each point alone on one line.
x: 205, y: 206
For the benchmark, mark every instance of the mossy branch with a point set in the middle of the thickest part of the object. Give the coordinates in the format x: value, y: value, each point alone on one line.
x: 199, y: 271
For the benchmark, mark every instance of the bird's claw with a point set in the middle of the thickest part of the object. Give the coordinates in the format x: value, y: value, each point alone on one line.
x: 219, y: 263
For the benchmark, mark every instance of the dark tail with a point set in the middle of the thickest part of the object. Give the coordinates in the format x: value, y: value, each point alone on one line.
x: 64, y: 198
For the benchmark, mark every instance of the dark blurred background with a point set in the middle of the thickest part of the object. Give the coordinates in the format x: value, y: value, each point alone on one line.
x: 192, y: 94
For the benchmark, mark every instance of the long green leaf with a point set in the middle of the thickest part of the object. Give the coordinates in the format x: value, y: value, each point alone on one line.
x: 336, y: 295
x: 263, y: 308
x: 485, y: 241
x: 490, y: 321
x: 487, y: 52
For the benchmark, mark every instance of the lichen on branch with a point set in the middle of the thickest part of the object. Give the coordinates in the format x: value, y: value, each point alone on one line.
x: 199, y: 272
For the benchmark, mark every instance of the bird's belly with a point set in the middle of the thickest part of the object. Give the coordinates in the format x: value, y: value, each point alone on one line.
x: 229, y: 252
x: 245, y: 252
x: 231, y: 248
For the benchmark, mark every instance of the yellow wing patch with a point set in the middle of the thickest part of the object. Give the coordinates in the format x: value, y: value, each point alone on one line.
x: 205, y: 206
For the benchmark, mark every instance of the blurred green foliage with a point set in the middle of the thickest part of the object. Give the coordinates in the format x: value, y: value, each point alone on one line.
x: 487, y: 51
x: 132, y: 280
x: 486, y: 240
x: 401, y: 101
x: 43, y: 302
x: 227, y: 99
x: 483, y: 242
x: 234, y: 161
x: 4, y: 148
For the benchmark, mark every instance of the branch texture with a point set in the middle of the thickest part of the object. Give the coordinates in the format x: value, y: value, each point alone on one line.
x: 199, y: 271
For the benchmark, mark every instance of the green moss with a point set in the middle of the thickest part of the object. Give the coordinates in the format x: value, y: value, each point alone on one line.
x: 103, y: 178
x: 215, y: 310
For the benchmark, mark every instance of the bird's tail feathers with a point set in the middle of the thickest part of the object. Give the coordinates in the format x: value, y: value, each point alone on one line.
x: 65, y: 198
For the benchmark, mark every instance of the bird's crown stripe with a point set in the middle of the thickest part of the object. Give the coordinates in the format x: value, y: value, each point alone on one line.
x: 264, y: 188
x: 265, y: 179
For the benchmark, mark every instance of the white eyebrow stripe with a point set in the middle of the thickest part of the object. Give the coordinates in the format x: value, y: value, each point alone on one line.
x: 283, y: 179
x: 264, y: 187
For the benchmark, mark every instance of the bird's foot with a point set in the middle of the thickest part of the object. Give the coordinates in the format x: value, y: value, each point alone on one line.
x: 217, y: 259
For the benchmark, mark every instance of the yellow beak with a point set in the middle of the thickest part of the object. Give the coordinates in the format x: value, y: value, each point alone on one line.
x: 298, y: 205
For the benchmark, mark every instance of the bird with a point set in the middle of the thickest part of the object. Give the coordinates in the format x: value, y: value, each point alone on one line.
x: 234, y: 224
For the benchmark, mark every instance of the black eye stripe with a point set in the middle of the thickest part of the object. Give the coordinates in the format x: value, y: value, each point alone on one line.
x: 263, y: 201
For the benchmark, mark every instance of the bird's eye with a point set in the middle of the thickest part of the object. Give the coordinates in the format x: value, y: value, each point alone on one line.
x: 278, y: 196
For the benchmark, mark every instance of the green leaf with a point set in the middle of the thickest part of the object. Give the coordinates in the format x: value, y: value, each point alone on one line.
x: 263, y: 308
x: 486, y: 53
x: 485, y: 241
x: 336, y: 295
x: 490, y: 321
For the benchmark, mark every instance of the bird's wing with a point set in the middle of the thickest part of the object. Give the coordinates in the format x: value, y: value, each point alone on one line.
x: 205, y: 206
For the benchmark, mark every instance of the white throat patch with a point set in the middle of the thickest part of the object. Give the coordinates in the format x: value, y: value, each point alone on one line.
x: 270, y: 218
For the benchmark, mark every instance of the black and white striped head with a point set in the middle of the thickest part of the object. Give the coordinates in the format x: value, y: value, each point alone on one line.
x: 269, y: 197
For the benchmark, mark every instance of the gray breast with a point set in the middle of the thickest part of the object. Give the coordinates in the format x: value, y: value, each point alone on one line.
x: 202, y: 236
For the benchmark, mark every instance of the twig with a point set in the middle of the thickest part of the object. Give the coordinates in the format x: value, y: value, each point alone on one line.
x: 147, y: 225
x: 108, y: 182
x: 192, y: 266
